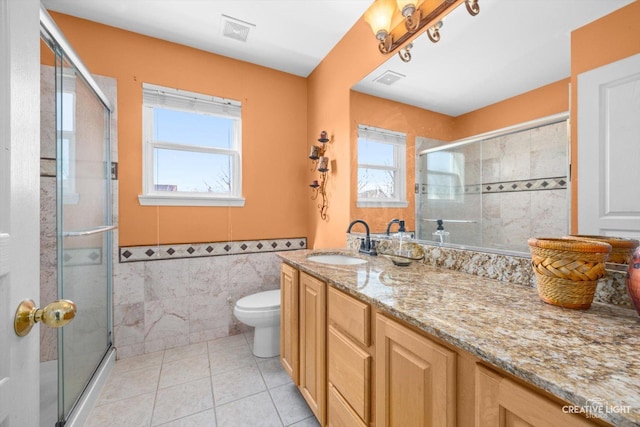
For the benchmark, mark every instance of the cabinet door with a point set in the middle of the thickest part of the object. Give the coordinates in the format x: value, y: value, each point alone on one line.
x: 289, y: 320
x: 415, y: 378
x: 501, y: 402
x: 312, y: 344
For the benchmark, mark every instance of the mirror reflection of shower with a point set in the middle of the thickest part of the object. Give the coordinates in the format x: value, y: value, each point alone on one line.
x: 495, y: 190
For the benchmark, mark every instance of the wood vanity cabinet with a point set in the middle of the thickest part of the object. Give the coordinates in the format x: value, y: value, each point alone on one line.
x: 415, y: 378
x: 349, y: 361
x: 312, y: 344
x: 357, y: 367
x: 502, y: 402
x: 289, y: 321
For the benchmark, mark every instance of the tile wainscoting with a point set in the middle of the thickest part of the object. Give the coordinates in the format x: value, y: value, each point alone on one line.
x: 186, y: 295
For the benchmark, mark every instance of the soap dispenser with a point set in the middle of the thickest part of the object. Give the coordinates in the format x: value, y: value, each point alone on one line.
x: 400, y: 238
x: 440, y: 236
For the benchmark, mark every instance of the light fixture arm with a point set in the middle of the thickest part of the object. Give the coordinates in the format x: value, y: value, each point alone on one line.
x: 472, y: 7
x: 434, y: 32
x: 412, y: 20
x: 405, y: 53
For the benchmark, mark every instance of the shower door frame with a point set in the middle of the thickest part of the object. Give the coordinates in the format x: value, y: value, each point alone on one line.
x: 82, y: 403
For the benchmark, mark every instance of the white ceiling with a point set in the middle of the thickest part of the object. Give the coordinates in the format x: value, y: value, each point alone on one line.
x: 511, y: 47
x: 289, y: 35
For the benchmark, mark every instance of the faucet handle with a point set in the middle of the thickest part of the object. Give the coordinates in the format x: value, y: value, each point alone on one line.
x: 373, y: 250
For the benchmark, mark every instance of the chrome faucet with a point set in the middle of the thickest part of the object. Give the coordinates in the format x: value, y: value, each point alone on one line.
x: 367, y: 246
x: 396, y: 221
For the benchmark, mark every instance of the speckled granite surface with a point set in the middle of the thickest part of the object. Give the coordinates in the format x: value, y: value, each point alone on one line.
x: 612, y: 288
x: 580, y: 356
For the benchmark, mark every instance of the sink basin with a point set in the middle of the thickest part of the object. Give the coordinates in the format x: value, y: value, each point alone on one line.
x: 336, y: 259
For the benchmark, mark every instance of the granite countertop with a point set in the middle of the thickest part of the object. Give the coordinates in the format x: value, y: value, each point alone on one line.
x: 585, y: 357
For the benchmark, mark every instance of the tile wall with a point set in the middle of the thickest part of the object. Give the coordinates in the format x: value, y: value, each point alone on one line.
x: 169, y: 296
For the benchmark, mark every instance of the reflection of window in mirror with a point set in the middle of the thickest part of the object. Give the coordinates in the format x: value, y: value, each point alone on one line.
x: 381, y: 167
x: 67, y: 135
x: 445, y: 175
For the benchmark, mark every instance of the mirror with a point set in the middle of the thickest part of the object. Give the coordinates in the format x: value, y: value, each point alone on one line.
x: 485, y: 82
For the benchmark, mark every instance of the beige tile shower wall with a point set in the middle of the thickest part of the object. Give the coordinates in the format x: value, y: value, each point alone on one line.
x: 168, y: 303
x: 510, y: 217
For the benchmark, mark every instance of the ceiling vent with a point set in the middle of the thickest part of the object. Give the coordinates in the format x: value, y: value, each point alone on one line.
x: 235, y: 29
x: 389, y: 77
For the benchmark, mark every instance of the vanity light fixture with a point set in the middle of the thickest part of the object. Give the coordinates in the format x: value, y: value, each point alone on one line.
x: 385, y: 18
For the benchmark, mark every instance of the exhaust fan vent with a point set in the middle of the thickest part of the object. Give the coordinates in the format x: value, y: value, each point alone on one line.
x: 389, y: 77
x: 235, y: 29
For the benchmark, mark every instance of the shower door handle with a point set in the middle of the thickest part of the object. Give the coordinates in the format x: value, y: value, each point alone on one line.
x: 55, y: 315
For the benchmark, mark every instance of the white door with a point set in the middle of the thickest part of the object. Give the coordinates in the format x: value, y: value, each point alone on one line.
x: 609, y: 149
x: 19, y: 207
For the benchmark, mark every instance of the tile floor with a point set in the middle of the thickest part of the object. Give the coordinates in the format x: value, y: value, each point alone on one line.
x: 217, y: 383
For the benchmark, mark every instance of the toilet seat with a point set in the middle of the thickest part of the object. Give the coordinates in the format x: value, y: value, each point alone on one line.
x: 262, y: 301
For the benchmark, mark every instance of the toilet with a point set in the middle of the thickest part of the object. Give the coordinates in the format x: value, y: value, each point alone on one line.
x: 262, y: 311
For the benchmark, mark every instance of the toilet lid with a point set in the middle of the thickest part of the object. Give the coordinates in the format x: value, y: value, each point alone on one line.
x: 260, y: 301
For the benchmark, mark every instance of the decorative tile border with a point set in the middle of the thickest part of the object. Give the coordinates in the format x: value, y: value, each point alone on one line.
x: 82, y: 256
x: 555, y: 183
x: 195, y: 250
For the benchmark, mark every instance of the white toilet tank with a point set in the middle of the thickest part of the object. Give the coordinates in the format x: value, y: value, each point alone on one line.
x: 268, y: 300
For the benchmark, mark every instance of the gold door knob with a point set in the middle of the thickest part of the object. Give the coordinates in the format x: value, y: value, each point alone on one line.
x: 55, y: 315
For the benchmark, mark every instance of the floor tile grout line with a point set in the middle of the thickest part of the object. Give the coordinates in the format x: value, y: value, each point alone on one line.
x: 155, y: 397
x: 213, y: 392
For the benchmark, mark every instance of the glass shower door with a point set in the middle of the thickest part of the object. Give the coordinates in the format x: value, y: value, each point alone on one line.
x: 84, y: 237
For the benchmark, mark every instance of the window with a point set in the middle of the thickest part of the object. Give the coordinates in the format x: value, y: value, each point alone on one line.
x: 445, y: 175
x: 192, y: 149
x: 381, y: 168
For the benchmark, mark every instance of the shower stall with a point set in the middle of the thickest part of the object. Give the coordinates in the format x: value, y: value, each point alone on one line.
x: 497, y: 189
x: 76, y: 230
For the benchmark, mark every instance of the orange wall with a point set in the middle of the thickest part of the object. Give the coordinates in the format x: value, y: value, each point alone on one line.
x: 274, y: 128
x: 413, y: 121
x: 541, y: 102
x: 609, y: 39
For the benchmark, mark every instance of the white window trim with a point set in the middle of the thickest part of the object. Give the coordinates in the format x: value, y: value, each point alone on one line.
x: 400, y: 157
x: 174, y: 98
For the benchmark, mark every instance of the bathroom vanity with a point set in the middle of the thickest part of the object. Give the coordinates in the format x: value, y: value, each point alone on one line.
x: 376, y: 344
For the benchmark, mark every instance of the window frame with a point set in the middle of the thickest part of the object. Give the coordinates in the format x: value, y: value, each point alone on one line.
x: 155, y: 96
x: 399, y: 142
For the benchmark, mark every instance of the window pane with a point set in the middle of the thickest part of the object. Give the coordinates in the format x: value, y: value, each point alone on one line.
x: 190, y: 171
x: 375, y: 153
x: 67, y: 108
x: 376, y: 184
x: 190, y: 128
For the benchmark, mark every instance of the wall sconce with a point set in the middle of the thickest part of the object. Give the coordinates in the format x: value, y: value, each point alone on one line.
x: 321, y: 164
x: 384, y: 17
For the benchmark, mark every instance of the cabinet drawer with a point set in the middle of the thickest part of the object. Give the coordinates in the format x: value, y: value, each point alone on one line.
x: 350, y: 372
x: 351, y: 315
x: 340, y: 414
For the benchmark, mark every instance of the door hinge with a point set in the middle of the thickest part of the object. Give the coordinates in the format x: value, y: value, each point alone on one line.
x: 416, y: 188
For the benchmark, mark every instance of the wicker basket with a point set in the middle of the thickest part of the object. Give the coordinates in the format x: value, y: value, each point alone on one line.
x: 621, y: 248
x: 567, y: 270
